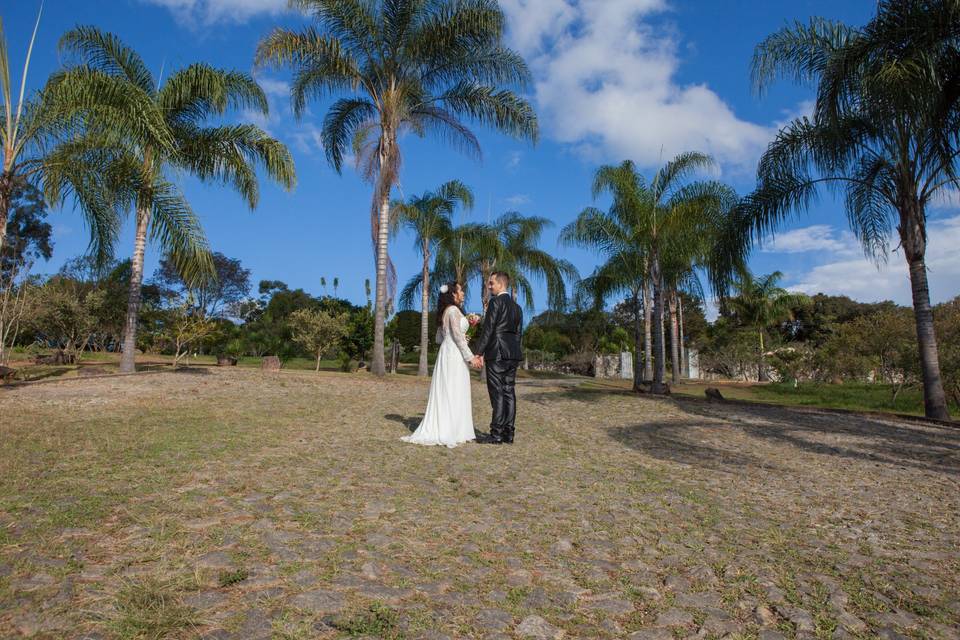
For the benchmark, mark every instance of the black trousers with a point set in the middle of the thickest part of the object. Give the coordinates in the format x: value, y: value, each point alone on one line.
x: 501, y: 384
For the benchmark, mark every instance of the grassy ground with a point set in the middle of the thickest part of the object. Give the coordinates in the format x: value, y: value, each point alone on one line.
x: 237, y: 504
x: 853, y: 396
x: 96, y: 363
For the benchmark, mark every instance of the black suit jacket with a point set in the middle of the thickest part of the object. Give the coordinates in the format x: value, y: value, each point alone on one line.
x: 500, y: 333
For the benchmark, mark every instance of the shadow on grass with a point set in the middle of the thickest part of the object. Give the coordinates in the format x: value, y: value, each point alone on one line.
x: 672, y: 441
x: 410, y: 423
x: 845, y: 436
x: 584, y: 392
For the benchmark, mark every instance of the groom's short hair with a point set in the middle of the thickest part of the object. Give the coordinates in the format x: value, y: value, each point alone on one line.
x: 502, y: 277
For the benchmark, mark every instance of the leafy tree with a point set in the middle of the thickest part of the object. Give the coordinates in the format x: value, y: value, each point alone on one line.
x: 270, y: 332
x: 404, y: 327
x: 318, y: 331
x: 177, y: 110
x: 401, y: 65
x: 64, y: 315
x: 548, y: 340
x: 28, y: 239
x: 29, y: 235
x: 185, y: 325
x: 214, y: 296
x: 884, y: 134
x: 430, y: 218
x: 948, y: 332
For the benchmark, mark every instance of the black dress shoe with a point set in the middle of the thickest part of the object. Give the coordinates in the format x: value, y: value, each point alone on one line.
x: 484, y: 438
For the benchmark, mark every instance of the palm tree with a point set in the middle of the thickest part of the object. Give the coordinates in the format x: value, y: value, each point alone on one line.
x: 760, y: 303
x: 323, y: 283
x: 667, y: 227
x: 336, y: 285
x: 884, y: 133
x: 457, y: 257
x: 620, y: 236
x: 522, y: 257
x: 683, y: 222
x: 401, y: 65
x: 44, y: 140
x: 474, y: 250
x: 138, y: 174
x: 430, y: 218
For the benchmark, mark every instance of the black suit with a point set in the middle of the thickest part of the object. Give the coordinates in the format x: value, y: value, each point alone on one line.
x: 499, y: 345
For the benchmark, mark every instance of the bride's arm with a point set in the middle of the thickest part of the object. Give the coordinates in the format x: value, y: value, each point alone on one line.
x: 451, y: 322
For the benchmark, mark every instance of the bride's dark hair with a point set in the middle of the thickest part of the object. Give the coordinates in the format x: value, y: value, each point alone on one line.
x: 446, y: 300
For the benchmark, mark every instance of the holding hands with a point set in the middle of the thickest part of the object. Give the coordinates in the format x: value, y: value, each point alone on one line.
x: 477, y: 362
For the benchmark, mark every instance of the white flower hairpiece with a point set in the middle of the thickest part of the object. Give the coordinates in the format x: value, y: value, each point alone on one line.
x: 444, y: 288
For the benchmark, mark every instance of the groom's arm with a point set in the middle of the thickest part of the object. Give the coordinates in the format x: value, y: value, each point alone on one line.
x: 489, y: 322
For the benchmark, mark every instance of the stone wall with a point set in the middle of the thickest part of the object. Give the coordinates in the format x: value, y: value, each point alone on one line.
x: 613, y: 366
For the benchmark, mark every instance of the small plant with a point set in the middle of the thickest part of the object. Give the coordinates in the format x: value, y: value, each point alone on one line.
x: 345, y: 362
x: 378, y: 620
x: 151, y: 609
x: 228, y: 578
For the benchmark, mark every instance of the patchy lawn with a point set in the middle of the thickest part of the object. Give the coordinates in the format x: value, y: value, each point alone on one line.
x: 231, y: 503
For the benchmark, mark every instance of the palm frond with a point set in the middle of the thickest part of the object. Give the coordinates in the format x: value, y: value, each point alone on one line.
x: 106, y: 52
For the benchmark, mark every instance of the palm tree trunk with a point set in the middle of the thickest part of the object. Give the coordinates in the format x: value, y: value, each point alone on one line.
x: 674, y: 339
x: 761, y: 370
x: 127, y: 357
x: 423, y: 369
x: 485, y: 268
x: 377, y: 366
x: 659, y: 368
x: 6, y: 193
x: 637, y: 341
x: 934, y: 399
x: 647, y: 331
x: 684, y: 361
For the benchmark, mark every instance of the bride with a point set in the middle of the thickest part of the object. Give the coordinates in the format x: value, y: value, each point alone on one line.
x: 448, y: 419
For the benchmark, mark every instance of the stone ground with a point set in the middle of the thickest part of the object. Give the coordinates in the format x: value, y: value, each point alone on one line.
x: 233, y: 504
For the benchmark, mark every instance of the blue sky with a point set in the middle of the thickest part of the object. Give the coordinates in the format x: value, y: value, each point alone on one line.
x: 615, y: 79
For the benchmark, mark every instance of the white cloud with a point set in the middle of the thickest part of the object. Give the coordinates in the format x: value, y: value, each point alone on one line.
x: 307, y: 138
x: 518, y: 200
x: 605, y: 84
x: 513, y: 160
x: 862, y: 280
x: 209, y: 11
x: 275, y: 88
x: 818, y: 237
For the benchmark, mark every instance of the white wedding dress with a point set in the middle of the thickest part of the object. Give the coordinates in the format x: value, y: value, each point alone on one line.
x: 448, y: 419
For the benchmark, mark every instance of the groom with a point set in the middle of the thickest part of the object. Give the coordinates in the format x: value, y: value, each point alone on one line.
x: 499, y: 350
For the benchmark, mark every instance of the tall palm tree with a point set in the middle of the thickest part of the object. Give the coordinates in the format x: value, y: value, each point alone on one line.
x: 44, y: 140
x: 401, y: 65
x: 430, y: 218
x: 620, y: 235
x: 883, y: 133
x: 685, y: 217
x: 669, y: 224
x: 227, y: 154
x: 509, y: 243
x: 457, y: 257
x: 758, y: 303
x: 522, y: 257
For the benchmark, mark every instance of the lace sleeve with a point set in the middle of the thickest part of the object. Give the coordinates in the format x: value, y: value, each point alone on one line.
x: 451, y: 324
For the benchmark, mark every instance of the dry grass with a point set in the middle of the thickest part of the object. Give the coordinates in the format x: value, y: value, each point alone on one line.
x: 253, y: 506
